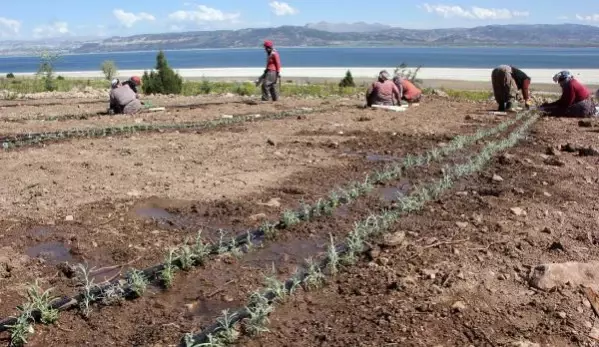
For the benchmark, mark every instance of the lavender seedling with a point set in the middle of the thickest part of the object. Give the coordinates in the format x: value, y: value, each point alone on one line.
x: 222, y: 245
x: 228, y: 333
x: 275, y: 286
x: 167, y: 274
x: 333, y: 257
x: 88, y: 288
x: 41, y: 301
x: 138, y: 283
x: 270, y: 230
x: 186, y: 257
x: 258, y: 310
x: 114, y: 294
x: 22, y: 327
x: 289, y: 219
x: 314, y: 277
x: 200, y: 249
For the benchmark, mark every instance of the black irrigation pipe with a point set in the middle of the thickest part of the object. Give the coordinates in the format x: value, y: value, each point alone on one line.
x: 29, y: 139
x: 65, y: 303
x: 72, y: 102
x: 341, y: 249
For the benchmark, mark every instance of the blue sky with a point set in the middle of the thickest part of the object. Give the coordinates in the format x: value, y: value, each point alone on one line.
x: 63, y: 18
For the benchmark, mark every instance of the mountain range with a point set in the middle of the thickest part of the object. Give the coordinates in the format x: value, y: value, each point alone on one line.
x: 338, y: 34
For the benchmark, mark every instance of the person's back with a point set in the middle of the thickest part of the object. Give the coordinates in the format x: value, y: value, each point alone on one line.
x: 126, y: 99
x: 384, y: 91
x: 581, y: 92
x: 410, y: 91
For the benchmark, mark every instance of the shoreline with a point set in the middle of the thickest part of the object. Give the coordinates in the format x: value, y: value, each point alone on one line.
x: 538, y: 76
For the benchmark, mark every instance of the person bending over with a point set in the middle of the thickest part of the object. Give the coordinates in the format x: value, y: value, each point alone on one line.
x: 383, y: 91
x: 576, y: 99
x: 507, y: 80
x: 123, y: 99
x: 133, y: 83
x: 408, y: 91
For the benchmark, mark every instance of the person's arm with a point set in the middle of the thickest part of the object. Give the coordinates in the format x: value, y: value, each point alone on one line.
x: 397, y: 94
x: 566, y: 99
x: 277, y: 61
x: 525, y: 89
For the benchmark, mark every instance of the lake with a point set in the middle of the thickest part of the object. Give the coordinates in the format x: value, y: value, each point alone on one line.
x: 443, y: 57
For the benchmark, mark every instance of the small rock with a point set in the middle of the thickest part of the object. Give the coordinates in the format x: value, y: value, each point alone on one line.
x: 562, y: 314
x: 274, y: 202
x: 271, y: 142
x: 430, y: 274
x: 519, y: 191
x: 547, y: 194
x: 551, y: 151
x: 69, y: 218
x: 333, y: 144
x: 257, y: 217
x: 374, y: 253
x: 458, y: 306
x: 557, y: 246
x: 585, y: 123
x: 552, y: 275
x: 382, y: 261
x: 506, y: 158
x: 440, y: 93
x: 587, y: 324
x: 568, y: 148
x: 553, y: 161
x: 525, y: 343
x: 463, y: 193
x: 462, y: 225
x: 394, y: 239
x: 518, y: 211
x: 546, y: 230
x: 588, y: 152
x: 497, y: 178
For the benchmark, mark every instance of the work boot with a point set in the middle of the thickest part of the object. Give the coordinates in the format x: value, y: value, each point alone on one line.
x: 501, y: 107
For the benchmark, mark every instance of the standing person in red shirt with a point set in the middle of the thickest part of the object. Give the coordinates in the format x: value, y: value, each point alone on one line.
x: 272, y: 73
x: 576, y: 99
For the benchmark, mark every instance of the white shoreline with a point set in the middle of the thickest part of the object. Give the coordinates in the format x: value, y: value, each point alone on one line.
x: 588, y: 76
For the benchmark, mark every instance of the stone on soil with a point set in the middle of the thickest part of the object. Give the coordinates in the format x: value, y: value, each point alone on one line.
x: 525, y: 343
x: 458, y: 306
x: 497, y: 178
x: 553, y: 161
x: 518, y: 211
x: 553, y: 275
x: 394, y: 239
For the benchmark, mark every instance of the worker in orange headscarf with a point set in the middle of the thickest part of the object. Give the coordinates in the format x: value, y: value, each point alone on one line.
x: 133, y: 83
x: 272, y: 74
x: 408, y: 91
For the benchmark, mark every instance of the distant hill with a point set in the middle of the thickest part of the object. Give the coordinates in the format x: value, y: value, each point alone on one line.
x: 352, y: 34
x: 358, y: 27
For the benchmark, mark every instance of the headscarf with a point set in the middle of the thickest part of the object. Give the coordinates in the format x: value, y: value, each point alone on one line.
x: 268, y: 44
x: 562, y: 76
x: 384, y: 76
x: 115, y: 82
x: 398, y: 78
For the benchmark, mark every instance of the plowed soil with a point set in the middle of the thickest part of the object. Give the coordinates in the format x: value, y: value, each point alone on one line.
x: 460, y: 278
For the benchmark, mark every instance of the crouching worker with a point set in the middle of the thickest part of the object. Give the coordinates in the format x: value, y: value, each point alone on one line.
x: 507, y: 80
x: 383, y: 91
x: 408, y: 91
x: 576, y: 99
x: 123, y: 99
x: 133, y: 83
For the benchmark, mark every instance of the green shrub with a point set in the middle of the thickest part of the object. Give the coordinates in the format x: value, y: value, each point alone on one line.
x: 60, y: 78
x: 163, y: 80
x: 10, y: 75
x: 347, y: 81
x: 109, y: 69
x: 246, y: 89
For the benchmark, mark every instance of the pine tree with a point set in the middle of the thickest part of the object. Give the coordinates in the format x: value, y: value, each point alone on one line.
x: 347, y: 81
x: 163, y: 80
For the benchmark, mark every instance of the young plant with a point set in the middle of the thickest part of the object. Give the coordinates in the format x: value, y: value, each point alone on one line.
x: 333, y: 257
x: 22, y: 328
x: 41, y: 301
x: 223, y: 247
x: 270, y: 230
x: 275, y: 286
x: 306, y: 211
x: 355, y: 244
x: 137, y: 281
x: 167, y: 274
x: 289, y: 219
x: 314, y: 276
x: 87, y: 282
x: 234, y: 248
x: 228, y: 332
x: 200, y: 250
x: 212, y: 341
x: 258, y: 310
x: 186, y: 257
x: 334, y: 199
x: 114, y: 294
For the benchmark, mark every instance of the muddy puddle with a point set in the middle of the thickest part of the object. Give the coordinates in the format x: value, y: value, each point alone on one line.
x: 209, y: 307
x: 284, y: 253
x: 392, y: 193
x: 51, y: 252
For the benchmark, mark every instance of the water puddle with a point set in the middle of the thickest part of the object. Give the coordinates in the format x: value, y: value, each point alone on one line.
x: 390, y: 194
x: 285, y: 253
x: 52, y: 252
x: 153, y: 213
x: 209, y: 307
x: 40, y: 231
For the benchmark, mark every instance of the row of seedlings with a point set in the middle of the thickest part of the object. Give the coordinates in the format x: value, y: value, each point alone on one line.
x: 29, y: 139
x: 253, y: 319
x: 186, y: 257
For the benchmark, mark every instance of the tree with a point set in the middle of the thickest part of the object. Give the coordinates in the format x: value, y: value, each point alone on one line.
x: 10, y: 75
x: 46, y: 69
x: 347, y: 81
x: 408, y: 74
x: 109, y: 69
x: 162, y: 80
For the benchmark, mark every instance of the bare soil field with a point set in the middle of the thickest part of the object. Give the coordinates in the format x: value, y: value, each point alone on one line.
x: 461, y: 271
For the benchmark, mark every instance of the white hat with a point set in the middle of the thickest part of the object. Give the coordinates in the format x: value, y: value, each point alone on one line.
x: 114, y: 82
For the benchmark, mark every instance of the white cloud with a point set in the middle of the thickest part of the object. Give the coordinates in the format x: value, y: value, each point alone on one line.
x: 52, y: 30
x: 128, y: 19
x: 282, y: 8
x: 9, y: 27
x: 202, y: 14
x: 589, y: 18
x: 449, y: 11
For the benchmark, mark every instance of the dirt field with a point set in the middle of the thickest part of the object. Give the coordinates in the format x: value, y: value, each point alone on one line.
x: 460, y: 277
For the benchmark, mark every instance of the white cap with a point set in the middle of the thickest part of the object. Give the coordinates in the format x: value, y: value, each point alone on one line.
x: 114, y: 82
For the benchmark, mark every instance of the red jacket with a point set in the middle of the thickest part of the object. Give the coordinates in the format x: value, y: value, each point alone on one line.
x: 273, y: 61
x: 572, y: 92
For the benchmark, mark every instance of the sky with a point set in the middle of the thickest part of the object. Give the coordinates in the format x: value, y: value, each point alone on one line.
x: 77, y: 18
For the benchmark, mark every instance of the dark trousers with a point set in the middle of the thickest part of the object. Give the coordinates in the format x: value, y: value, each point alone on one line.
x: 269, y: 86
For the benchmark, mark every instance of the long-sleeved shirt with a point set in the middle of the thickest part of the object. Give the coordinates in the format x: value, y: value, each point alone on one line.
x: 273, y: 61
x: 522, y: 81
x: 572, y: 92
x: 131, y: 85
x: 410, y: 91
x: 383, y: 92
x: 121, y: 96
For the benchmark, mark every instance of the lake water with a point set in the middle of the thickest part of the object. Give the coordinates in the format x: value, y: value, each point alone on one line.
x: 445, y: 57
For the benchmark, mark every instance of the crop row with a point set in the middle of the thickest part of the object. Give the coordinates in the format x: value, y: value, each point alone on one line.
x: 186, y: 257
x: 253, y: 318
x: 29, y: 139
x: 86, y: 115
